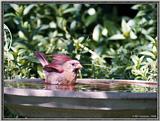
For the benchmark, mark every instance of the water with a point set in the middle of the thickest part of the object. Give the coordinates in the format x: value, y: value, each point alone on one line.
x: 114, y: 87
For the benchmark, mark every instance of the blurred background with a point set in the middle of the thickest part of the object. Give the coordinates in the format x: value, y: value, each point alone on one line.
x: 112, y: 41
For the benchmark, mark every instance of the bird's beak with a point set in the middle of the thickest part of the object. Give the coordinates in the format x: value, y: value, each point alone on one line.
x: 79, y: 66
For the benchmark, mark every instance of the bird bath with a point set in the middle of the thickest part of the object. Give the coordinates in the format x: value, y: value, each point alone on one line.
x: 89, y: 98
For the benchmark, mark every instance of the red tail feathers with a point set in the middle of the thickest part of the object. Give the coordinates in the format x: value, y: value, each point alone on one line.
x: 42, y: 59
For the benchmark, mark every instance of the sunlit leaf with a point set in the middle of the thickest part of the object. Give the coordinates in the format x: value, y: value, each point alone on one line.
x: 105, y: 32
x: 96, y: 32
x: 9, y: 56
x: 125, y: 28
x: 91, y: 11
x: 52, y: 24
x: 73, y: 25
x: 81, y: 38
x: 150, y: 38
x: 154, y: 50
x: 22, y: 35
x: 136, y: 7
x: 78, y: 56
x: 140, y: 13
x: 15, y: 7
x: 133, y: 35
x: 117, y: 37
x: 28, y: 9
x: 149, y: 60
x: 148, y: 53
x: 69, y: 10
x: 131, y: 23
x: 44, y: 27
x: 135, y: 59
x: 9, y: 15
x: 61, y: 23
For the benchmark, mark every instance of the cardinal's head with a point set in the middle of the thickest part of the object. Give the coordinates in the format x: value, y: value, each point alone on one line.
x: 63, y: 63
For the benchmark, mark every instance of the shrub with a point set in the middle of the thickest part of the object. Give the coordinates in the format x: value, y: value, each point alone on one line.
x: 108, y: 45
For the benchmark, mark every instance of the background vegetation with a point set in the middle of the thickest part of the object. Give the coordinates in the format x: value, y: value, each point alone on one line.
x: 109, y: 41
x: 107, y: 44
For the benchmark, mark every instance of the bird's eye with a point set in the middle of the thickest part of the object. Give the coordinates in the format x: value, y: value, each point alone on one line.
x: 73, y: 64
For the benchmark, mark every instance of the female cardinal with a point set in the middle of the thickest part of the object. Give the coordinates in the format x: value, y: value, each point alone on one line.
x: 62, y: 70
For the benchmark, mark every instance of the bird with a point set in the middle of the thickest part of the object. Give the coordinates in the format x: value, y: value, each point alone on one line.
x: 62, y: 70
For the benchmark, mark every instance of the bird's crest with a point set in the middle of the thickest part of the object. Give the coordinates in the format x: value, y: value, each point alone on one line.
x: 56, y: 64
x: 60, y: 59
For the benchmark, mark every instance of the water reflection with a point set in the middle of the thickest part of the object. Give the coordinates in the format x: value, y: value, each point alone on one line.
x: 116, y: 87
x: 59, y: 87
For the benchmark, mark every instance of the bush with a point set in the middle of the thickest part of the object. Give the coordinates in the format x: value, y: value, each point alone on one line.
x: 108, y: 45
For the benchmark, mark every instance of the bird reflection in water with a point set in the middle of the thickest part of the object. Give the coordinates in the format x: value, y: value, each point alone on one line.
x: 59, y: 87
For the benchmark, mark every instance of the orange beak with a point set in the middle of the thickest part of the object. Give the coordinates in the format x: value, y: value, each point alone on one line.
x: 79, y: 66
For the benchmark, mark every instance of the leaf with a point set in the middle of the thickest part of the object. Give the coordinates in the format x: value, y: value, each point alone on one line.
x: 21, y: 35
x: 15, y: 7
x: 30, y: 58
x: 9, y: 15
x: 133, y: 35
x: 149, y: 60
x: 154, y: 50
x: 25, y: 24
x: 140, y: 13
x: 9, y: 56
x: 149, y: 38
x: 141, y: 59
x: 131, y: 23
x: 21, y: 51
x: 135, y: 59
x: 28, y: 9
x: 73, y: 24
x: 61, y: 22
x: 136, y: 7
x: 117, y: 37
x: 69, y: 10
x: 64, y: 6
x: 99, y: 50
x: 52, y: 24
x: 96, y: 32
x: 90, y: 19
x: 91, y: 11
x: 19, y: 45
x: 44, y: 27
x: 148, y: 53
x: 105, y: 32
x: 128, y: 68
x: 125, y: 28
x: 77, y: 6
x: 40, y: 72
x: 81, y: 38
x: 78, y: 57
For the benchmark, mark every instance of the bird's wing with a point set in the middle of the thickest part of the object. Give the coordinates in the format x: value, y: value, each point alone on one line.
x: 52, y: 67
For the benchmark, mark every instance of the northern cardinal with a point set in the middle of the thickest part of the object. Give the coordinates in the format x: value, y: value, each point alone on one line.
x: 62, y: 70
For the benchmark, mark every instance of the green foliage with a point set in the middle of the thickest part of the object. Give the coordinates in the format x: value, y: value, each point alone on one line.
x: 108, y: 46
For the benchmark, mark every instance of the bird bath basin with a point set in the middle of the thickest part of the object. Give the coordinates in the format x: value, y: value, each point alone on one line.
x: 89, y: 98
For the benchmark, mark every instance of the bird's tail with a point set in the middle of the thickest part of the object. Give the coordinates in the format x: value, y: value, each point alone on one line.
x: 42, y: 59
